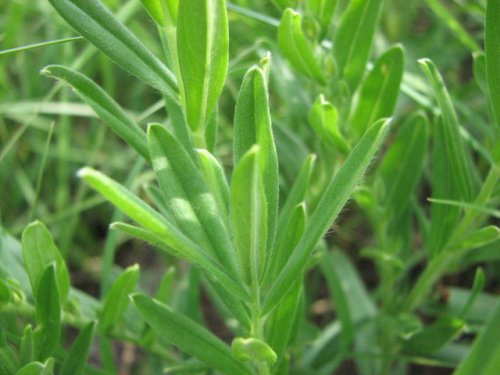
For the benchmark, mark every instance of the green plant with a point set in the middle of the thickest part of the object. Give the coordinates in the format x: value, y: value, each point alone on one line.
x: 253, y: 241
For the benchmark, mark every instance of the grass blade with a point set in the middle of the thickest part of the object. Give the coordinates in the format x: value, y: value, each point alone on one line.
x: 492, y: 47
x: 379, y: 91
x: 188, y: 336
x: 353, y: 39
x: 332, y: 201
x: 99, y: 26
x: 105, y: 107
x: 203, y: 49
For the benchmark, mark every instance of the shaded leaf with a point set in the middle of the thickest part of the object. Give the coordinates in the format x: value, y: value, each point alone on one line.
x: 74, y: 363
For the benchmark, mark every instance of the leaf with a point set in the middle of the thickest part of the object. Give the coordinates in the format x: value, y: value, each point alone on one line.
x: 214, y: 176
x: 39, y: 251
x: 188, y: 336
x: 27, y: 349
x: 379, y: 91
x: 479, y: 69
x: 249, y: 216
x: 251, y: 349
x: 203, y: 49
x: 484, y: 356
x: 116, y: 301
x: 99, y: 26
x: 188, y: 197
x: 143, y: 214
x: 155, y: 10
x: 492, y: 49
x: 296, y: 48
x: 403, y: 163
x: 38, y: 368
x: 252, y: 125
x: 455, y: 150
x: 331, y: 203
x: 353, y: 39
x: 478, y: 238
x: 324, y: 11
x: 434, y: 336
x: 323, y: 117
x: 48, y: 314
x: 105, y: 107
x: 74, y: 363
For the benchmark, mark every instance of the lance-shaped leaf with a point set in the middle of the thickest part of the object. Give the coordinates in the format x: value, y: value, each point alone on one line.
x: 39, y: 251
x: 75, y: 361
x: 353, y: 39
x: 252, y: 125
x: 188, y: 336
x: 143, y: 214
x: 323, y: 117
x: 249, y: 216
x: 155, y: 10
x: 27, y: 348
x: 323, y: 10
x: 38, y: 368
x: 203, y: 49
x: 105, y: 107
x: 379, y: 91
x: 117, y: 299
x: 455, y: 150
x: 296, y: 47
x: 48, y: 314
x: 492, y: 47
x: 331, y: 203
x: 99, y: 26
x: 188, y: 196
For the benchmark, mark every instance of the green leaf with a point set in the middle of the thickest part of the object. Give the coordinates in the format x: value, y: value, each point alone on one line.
x: 203, y: 49
x: 249, y: 216
x: 435, y: 336
x: 484, y: 356
x: 478, y: 238
x: 252, y: 125
x: 379, y: 91
x: 214, y: 176
x: 38, y: 368
x: 323, y: 117
x: 455, y: 150
x: 39, y: 251
x: 27, y: 349
x: 251, y: 349
x: 353, y: 39
x: 188, y: 336
x: 48, y: 314
x: 492, y: 47
x: 155, y: 10
x: 332, y: 201
x: 403, y: 164
x: 296, y: 48
x: 4, y: 293
x: 479, y: 69
x: 324, y: 11
x: 105, y: 107
x: 99, y: 26
x: 116, y: 301
x: 74, y: 363
x: 188, y: 197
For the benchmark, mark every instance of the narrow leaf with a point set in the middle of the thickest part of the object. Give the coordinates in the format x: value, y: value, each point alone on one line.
x: 155, y: 10
x: 188, y: 336
x: 249, y: 216
x: 48, y: 314
x: 492, y: 47
x: 39, y: 251
x: 353, y: 39
x: 38, y: 368
x: 99, y: 26
x: 116, y: 301
x: 332, y: 201
x: 203, y: 49
x: 188, y: 196
x: 379, y: 91
x: 105, y: 107
x: 74, y: 363
x: 324, y: 11
x: 296, y: 47
x: 484, y: 357
x: 252, y: 125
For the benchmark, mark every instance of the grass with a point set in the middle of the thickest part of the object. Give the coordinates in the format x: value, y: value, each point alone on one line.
x: 285, y: 187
